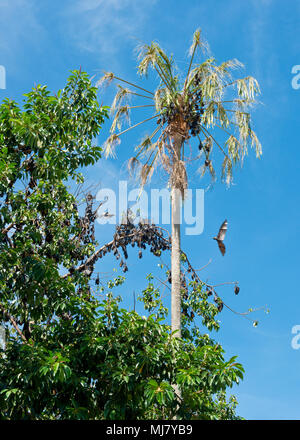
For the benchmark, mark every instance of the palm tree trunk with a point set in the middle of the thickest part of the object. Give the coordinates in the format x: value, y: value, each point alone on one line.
x: 175, y: 259
x: 175, y: 263
x: 175, y: 252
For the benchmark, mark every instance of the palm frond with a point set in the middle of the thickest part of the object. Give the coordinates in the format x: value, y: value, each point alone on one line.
x: 211, y: 171
x: 105, y: 80
x: 247, y: 88
x: 221, y: 113
x: 133, y: 164
x: 208, y: 115
x: 166, y: 66
x: 153, y: 56
x: 228, y: 65
x: 243, y: 121
x: 108, y: 77
x: 212, y: 86
x: 146, y: 145
x: 110, y: 145
x: 146, y: 55
x: 255, y: 144
x: 236, y: 150
x: 146, y: 173
x: 210, y: 136
x: 160, y: 98
x: 143, y: 148
x: 121, y: 96
x: 198, y: 42
x: 201, y: 71
x: 121, y: 114
x: 227, y: 171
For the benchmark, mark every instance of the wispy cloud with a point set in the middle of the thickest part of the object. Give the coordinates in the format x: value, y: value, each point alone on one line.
x: 103, y: 26
x: 258, y: 26
x: 264, y: 57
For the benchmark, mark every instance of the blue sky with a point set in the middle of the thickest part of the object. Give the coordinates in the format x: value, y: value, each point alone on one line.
x: 40, y: 42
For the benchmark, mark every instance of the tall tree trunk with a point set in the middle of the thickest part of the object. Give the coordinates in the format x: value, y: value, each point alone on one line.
x: 175, y: 257
x: 175, y: 251
x: 175, y: 263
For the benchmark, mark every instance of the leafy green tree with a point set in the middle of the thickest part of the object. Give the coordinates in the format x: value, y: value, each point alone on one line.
x: 41, y: 233
x: 72, y: 353
x: 108, y: 363
x: 207, y: 99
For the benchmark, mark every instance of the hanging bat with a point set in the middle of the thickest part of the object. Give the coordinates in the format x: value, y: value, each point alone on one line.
x: 220, y: 237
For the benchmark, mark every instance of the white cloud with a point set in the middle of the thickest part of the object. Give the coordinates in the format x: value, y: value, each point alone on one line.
x: 264, y: 59
x: 103, y: 26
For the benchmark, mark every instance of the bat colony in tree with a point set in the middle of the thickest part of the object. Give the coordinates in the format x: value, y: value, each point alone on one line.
x: 142, y: 235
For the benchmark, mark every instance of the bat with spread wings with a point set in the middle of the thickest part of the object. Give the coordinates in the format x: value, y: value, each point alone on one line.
x: 107, y: 214
x: 220, y: 237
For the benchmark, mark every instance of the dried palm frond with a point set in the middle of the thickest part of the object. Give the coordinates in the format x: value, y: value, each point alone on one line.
x: 208, y: 115
x: 110, y: 145
x: 224, y: 67
x: 242, y: 104
x: 106, y: 79
x: 212, y: 86
x: 122, y: 95
x: 247, y: 88
x: 222, y: 115
x: 236, y: 151
x: 242, y: 119
x: 212, y: 171
x: 122, y: 113
x: 166, y: 163
x: 153, y: 56
x: 203, y: 69
x: 146, y: 146
x: 146, y: 53
x: 143, y: 147
x: 146, y: 173
x: 197, y: 42
x: 227, y: 171
x: 160, y: 98
x: 255, y: 143
x: 133, y: 163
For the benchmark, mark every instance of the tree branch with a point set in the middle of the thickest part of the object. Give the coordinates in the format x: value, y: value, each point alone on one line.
x: 13, y: 322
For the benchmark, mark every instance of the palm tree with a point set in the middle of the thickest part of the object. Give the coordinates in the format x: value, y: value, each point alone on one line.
x: 195, y: 107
